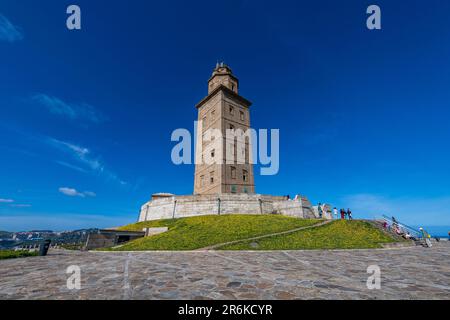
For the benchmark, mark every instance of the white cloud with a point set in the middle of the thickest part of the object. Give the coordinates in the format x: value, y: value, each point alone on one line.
x: 84, y: 156
x: 20, y: 205
x: 409, y: 210
x: 79, y: 153
x: 74, y: 193
x: 70, y: 192
x: 70, y: 166
x: 70, y: 110
x: 6, y: 200
x: 8, y: 31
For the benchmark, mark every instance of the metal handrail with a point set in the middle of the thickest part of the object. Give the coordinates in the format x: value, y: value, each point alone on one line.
x: 403, y: 226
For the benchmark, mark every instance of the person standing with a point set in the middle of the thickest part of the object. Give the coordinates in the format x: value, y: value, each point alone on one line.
x: 319, y: 208
x: 349, y: 214
x: 426, y: 237
x: 342, y: 214
x: 335, y: 213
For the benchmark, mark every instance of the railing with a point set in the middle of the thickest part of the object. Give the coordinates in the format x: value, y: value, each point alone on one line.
x: 414, y: 232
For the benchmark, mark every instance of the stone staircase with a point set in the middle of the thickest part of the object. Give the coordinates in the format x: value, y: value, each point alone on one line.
x: 400, y: 241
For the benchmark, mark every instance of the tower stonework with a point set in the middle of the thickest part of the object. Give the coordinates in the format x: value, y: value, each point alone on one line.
x: 223, y: 182
x: 223, y: 165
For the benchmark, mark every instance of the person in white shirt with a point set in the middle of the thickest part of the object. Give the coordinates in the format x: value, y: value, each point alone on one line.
x: 335, y: 212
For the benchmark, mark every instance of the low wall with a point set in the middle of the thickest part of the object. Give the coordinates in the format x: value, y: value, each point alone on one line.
x: 196, y: 205
x: 109, y: 238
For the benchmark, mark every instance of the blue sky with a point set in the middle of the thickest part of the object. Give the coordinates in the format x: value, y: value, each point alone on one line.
x: 86, y: 116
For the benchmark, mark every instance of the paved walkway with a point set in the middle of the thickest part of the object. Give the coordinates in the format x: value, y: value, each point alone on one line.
x: 407, y: 273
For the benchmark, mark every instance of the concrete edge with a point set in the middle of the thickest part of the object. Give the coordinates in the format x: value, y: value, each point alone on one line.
x: 258, y: 251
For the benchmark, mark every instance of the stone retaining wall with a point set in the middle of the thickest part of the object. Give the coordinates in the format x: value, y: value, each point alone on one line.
x: 195, y: 205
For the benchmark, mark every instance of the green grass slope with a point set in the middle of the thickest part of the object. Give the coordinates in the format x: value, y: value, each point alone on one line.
x: 339, y: 234
x: 11, y: 254
x: 203, y: 231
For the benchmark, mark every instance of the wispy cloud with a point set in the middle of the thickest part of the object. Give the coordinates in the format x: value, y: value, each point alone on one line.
x: 409, y: 210
x: 70, y: 110
x: 8, y: 31
x: 11, y: 203
x: 20, y: 205
x: 74, y: 193
x: 84, y: 156
x: 76, y: 157
x: 71, y: 166
x: 81, y: 154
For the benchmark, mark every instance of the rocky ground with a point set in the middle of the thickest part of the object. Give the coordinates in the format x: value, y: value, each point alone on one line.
x: 406, y: 273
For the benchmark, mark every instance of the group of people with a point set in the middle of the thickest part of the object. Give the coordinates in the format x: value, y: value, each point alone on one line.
x: 345, y: 214
x: 396, y: 228
x: 403, y: 232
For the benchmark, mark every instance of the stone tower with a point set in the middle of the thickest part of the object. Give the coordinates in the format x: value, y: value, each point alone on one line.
x: 223, y: 165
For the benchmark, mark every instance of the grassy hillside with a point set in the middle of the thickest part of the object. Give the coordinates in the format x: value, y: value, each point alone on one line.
x: 11, y: 254
x: 203, y: 231
x: 339, y: 234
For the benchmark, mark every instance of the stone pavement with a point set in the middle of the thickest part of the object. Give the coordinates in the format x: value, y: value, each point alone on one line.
x: 406, y: 273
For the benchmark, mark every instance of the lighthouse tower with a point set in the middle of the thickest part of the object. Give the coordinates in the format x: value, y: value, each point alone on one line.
x: 223, y: 164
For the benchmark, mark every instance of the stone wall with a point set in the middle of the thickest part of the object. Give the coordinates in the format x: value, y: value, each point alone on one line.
x: 197, y: 205
x: 109, y: 237
x: 326, y: 211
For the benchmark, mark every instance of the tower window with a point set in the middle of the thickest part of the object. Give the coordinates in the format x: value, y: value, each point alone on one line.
x: 213, y: 152
x: 231, y: 127
x: 247, y: 155
x: 231, y: 110
x: 204, y: 121
x: 245, y: 175
x: 242, y: 115
x: 233, y: 173
x: 213, y: 114
x: 202, y: 181
x: 211, y: 178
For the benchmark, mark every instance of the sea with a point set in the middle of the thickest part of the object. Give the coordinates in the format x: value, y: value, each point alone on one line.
x: 437, y: 231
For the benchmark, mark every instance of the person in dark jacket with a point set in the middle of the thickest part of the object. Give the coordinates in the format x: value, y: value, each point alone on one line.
x: 349, y: 214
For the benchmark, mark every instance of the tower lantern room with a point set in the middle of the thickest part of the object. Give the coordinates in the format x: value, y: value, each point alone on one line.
x: 222, y: 75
